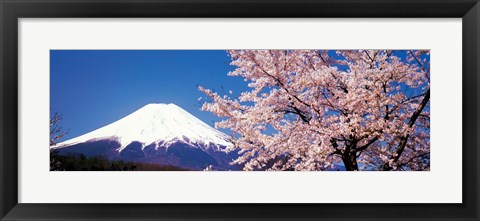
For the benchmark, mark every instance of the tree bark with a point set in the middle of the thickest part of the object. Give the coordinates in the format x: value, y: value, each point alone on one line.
x: 350, y: 163
x: 349, y: 159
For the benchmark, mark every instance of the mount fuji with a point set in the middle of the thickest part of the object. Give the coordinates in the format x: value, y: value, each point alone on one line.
x: 163, y: 134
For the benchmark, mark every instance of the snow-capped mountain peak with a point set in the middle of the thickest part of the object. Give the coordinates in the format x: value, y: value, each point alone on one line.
x: 157, y: 123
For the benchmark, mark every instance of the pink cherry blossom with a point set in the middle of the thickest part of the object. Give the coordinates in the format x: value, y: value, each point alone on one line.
x: 315, y: 110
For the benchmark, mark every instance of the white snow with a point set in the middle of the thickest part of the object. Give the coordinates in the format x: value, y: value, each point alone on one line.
x: 156, y: 123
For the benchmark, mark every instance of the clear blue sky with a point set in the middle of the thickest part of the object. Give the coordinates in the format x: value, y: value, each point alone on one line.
x: 93, y: 88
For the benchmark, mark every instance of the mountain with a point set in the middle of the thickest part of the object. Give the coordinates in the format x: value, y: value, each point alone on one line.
x: 162, y: 134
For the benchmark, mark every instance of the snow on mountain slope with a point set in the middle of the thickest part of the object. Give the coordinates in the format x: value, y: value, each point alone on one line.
x: 162, y: 124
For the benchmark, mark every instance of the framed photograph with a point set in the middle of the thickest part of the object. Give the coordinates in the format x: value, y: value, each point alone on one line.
x: 257, y: 110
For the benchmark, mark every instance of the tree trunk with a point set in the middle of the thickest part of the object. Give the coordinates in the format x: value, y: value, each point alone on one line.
x: 350, y: 160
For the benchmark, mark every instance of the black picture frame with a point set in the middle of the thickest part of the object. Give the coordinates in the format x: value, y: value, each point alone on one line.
x: 12, y: 10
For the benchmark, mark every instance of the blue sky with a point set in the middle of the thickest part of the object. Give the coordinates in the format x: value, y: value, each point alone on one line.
x: 93, y: 88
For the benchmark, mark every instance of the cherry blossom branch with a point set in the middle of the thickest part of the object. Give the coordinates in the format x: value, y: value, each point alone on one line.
x: 413, y: 158
x: 404, y: 139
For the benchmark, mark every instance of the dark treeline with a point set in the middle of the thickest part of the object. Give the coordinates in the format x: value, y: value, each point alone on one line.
x: 79, y: 162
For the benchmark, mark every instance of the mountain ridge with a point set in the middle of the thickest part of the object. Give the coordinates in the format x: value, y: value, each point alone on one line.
x: 156, y: 133
x: 156, y: 122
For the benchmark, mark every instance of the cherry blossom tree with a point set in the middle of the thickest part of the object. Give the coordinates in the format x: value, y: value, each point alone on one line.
x: 319, y: 109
